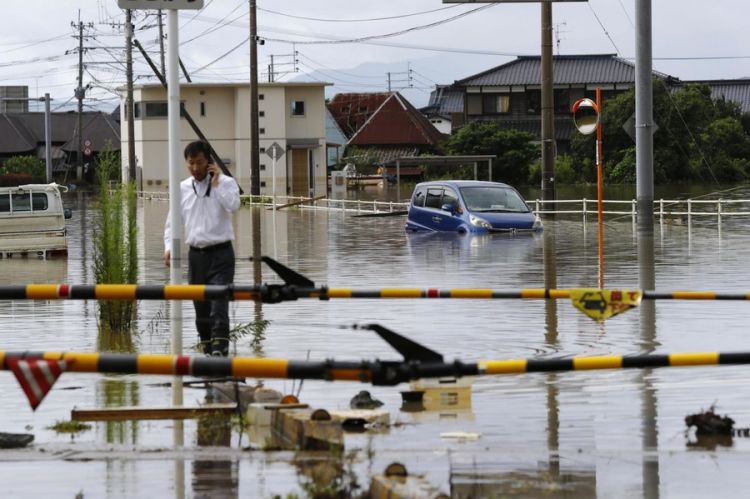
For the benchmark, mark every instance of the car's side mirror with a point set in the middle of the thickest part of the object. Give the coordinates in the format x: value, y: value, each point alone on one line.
x: 67, y: 213
x: 448, y: 207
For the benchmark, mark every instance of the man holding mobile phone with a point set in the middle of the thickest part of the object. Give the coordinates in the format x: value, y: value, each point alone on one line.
x: 209, y: 198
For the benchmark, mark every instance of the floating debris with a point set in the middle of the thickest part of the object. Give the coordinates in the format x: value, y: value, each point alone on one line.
x: 15, y: 440
x: 710, y: 423
x: 363, y: 400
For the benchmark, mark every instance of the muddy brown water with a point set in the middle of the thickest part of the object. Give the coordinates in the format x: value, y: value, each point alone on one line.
x: 580, y: 434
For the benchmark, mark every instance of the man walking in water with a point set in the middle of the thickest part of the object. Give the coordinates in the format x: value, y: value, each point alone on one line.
x: 208, y: 199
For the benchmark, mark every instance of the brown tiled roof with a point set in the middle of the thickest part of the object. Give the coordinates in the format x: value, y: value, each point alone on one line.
x: 22, y: 132
x: 397, y: 122
x: 352, y: 110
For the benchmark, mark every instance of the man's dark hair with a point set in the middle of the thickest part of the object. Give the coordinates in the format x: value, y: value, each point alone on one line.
x: 196, y: 147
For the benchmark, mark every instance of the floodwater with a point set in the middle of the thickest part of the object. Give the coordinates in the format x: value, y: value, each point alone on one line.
x: 618, y: 433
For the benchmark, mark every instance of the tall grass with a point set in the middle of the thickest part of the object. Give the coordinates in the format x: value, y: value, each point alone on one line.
x: 115, y: 253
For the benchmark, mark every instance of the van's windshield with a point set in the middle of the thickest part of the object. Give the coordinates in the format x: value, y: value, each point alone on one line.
x: 493, y: 199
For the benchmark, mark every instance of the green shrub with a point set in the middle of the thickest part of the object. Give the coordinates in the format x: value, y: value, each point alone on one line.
x: 29, y: 165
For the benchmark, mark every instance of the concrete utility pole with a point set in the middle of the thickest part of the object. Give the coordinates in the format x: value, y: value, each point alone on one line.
x: 129, y: 98
x: 644, y: 117
x: 254, y: 147
x: 80, y: 93
x: 548, y: 109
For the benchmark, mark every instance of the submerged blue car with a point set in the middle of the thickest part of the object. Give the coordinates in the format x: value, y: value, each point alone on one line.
x: 469, y: 206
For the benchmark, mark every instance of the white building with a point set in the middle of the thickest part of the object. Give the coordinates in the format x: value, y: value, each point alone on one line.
x: 291, y: 114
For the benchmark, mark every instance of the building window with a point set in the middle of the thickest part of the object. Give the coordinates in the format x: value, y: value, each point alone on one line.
x: 362, y: 109
x: 261, y: 131
x: 261, y: 96
x: 261, y: 113
x: 203, y: 108
x: 262, y: 183
x: 495, y: 103
x: 298, y: 108
x: 474, y: 104
x: 262, y: 150
x: 533, y: 101
x: 158, y: 109
x: 262, y: 167
x: 562, y: 101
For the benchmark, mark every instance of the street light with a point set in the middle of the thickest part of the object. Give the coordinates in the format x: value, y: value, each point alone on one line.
x: 47, y: 129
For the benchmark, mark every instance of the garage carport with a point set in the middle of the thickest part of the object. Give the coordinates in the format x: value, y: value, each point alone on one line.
x: 440, y: 160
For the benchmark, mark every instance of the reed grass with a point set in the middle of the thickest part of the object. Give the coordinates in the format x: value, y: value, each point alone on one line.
x: 115, y: 253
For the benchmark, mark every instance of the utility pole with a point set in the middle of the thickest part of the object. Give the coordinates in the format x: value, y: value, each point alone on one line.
x: 254, y: 147
x: 548, y: 110
x: 129, y: 98
x: 80, y: 93
x: 161, y: 43
x: 389, y: 81
x: 271, y: 72
x: 644, y: 117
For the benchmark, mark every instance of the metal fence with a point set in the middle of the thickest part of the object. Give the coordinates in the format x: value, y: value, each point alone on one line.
x: 664, y: 209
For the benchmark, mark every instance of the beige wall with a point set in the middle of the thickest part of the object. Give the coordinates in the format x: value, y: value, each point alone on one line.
x: 227, y: 126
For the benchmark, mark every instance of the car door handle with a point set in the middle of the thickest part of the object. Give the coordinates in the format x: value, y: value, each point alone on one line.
x: 437, y: 219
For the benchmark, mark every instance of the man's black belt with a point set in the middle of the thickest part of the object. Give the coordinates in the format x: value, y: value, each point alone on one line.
x: 212, y: 248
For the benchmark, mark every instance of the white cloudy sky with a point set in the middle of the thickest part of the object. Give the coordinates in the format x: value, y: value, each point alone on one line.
x: 692, y: 39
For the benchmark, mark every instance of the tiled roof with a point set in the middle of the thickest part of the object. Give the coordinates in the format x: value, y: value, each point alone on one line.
x: 397, y: 122
x: 732, y: 90
x: 568, y: 69
x: 352, y: 110
x: 15, y: 138
x: 445, y: 99
x: 22, y: 132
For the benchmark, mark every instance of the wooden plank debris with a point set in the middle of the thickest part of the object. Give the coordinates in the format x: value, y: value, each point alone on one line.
x: 138, y: 413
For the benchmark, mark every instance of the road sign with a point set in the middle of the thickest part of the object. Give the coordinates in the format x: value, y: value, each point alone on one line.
x: 275, y: 151
x: 87, y: 143
x: 87, y: 151
x: 629, y: 127
x: 160, y: 4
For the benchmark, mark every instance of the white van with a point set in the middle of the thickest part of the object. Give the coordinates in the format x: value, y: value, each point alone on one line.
x: 32, y: 221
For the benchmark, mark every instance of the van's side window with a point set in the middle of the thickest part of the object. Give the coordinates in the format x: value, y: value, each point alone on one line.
x: 449, y: 197
x: 418, y: 198
x: 4, y: 203
x: 433, y: 198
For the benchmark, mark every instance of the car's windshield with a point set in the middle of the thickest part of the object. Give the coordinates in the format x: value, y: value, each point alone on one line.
x: 493, y: 199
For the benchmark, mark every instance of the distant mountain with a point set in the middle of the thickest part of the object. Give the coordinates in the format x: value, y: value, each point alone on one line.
x: 425, y: 74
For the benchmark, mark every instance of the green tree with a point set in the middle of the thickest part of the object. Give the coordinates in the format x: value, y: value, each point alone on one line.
x: 514, y: 149
x: 699, y: 138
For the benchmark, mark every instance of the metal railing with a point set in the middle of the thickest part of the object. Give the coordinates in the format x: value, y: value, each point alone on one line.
x: 664, y: 209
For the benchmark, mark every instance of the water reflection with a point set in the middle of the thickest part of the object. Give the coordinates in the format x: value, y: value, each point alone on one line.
x: 215, y: 478
x: 650, y: 438
x: 119, y: 393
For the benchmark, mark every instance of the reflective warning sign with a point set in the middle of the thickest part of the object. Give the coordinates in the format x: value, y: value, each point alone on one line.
x: 601, y: 304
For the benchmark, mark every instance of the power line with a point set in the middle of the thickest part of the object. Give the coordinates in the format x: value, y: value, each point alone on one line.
x: 400, y: 16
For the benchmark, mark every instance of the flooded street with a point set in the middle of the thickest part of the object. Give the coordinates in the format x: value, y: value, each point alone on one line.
x: 618, y: 433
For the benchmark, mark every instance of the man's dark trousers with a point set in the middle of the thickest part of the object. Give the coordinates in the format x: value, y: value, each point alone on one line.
x: 212, y: 265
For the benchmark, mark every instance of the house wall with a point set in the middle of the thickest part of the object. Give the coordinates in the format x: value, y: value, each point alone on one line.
x: 226, y: 124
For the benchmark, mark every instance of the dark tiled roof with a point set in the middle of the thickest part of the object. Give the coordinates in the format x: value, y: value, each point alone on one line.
x: 732, y: 90
x: 397, y: 122
x: 28, y: 129
x: 15, y: 138
x: 384, y: 154
x: 568, y: 69
x: 445, y: 99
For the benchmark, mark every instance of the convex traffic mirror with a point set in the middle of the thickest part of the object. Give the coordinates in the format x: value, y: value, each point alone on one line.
x: 585, y: 116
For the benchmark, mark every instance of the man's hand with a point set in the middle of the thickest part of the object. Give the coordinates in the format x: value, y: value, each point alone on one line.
x: 214, y: 171
x: 167, y: 258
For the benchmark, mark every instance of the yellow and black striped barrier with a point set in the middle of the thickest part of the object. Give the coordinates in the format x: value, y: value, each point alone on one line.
x: 376, y: 372
x: 599, y: 304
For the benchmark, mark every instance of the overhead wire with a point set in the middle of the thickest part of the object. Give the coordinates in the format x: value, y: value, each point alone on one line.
x: 400, y: 16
